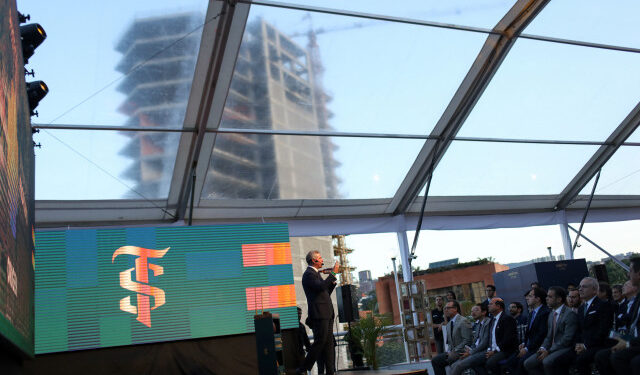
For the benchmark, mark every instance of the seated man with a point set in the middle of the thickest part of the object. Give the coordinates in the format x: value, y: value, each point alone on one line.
x: 503, y: 338
x: 624, y: 357
x: 475, y: 354
x: 622, y: 319
x: 573, y: 300
x: 536, y: 326
x: 595, y: 320
x: 562, y: 326
x: 458, y: 336
x: 515, y: 309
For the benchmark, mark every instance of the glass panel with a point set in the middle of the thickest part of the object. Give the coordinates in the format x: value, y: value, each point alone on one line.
x: 474, y: 168
x: 554, y: 91
x: 367, y: 247
x: 608, y: 22
x: 385, y: 77
x: 620, y: 176
x: 462, y: 12
x: 116, y: 62
x: 91, y: 164
x: 296, y: 167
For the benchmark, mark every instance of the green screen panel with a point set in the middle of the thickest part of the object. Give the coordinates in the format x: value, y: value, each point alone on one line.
x: 16, y: 188
x: 107, y: 287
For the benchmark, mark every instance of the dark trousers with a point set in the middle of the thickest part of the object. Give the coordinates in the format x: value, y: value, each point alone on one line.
x: 322, y: 347
x: 440, y: 363
x: 493, y: 363
x: 603, y: 362
x: 585, y: 359
x: 520, y: 370
x: 626, y: 361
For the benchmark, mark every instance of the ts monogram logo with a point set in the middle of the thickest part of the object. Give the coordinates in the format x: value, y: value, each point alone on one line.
x: 141, y: 286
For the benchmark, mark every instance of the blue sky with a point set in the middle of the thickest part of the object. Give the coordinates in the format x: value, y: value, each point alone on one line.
x: 383, y: 77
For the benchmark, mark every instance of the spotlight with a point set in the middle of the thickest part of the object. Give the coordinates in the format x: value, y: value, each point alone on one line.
x: 36, y: 90
x: 32, y: 36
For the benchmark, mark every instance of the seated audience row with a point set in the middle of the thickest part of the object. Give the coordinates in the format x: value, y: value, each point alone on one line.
x: 591, y: 326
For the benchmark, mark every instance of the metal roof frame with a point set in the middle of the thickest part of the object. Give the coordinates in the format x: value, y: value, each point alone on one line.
x: 221, y: 38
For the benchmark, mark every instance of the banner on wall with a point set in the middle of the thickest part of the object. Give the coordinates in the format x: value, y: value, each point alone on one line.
x: 98, y: 288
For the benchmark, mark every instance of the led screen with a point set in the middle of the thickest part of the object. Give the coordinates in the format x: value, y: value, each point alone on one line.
x: 96, y: 288
x: 16, y: 189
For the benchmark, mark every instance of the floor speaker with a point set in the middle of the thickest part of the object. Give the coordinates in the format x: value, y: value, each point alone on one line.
x: 347, y: 297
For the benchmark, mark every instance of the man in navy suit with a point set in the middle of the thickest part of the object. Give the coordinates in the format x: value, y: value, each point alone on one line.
x: 503, y: 338
x: 321, y: 314
x: 536, y: 326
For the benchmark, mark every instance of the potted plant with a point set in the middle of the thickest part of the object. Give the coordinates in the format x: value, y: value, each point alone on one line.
x: 368, y: 331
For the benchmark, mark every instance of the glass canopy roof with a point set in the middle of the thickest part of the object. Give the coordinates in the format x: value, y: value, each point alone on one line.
x: 262, y: 104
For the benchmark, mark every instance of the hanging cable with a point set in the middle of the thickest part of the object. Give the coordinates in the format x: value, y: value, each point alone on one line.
x: 586, y: 211
x: 110, y: 175
x: 432, y: 165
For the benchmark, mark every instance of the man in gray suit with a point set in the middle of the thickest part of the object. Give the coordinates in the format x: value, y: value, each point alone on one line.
x: 475, y: 354
x: 561, y: 333
x: 458, y: 336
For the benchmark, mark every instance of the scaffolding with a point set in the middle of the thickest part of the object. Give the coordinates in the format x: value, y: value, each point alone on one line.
x: 341, y: 251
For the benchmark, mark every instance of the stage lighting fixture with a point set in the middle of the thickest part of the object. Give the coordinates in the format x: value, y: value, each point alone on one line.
x: 36, y: 90
x: 32, y: 36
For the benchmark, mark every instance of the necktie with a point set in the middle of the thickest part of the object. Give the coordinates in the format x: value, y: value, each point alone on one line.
x: 533, y: 316
x: 553, y: 329
x: 586, y: 307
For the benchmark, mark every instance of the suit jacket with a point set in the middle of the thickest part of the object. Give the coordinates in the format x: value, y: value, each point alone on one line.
x: 536, y: 330
x: 632, y: 317
x: 596, y: 324
x: 483, y: 335
x: 460, y: 335
x: 566, y: 330
x: 621, y: 318
x: 506, y: 333
x: 318, y: 292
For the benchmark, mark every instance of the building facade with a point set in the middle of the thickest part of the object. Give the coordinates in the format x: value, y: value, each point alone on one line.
x: 468, y: 283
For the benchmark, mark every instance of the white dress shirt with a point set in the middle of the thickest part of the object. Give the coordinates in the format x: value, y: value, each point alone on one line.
x: 494, y: 344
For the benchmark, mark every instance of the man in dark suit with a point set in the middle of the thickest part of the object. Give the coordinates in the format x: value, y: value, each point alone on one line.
x: 536, y: 326
x: 595, y: 321
x: 562, y: 326
x: 624, y: 357
x: 321, y: 314
x: 503, y: 338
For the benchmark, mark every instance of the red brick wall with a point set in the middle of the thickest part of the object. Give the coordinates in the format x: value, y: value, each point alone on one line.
x: 386, y: 289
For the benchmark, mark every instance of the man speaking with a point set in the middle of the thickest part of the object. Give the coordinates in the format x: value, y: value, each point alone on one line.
x: 321, y: 315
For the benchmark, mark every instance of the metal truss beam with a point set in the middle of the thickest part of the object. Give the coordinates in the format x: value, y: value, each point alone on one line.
x: 599, y: 158
x: 218, y: 51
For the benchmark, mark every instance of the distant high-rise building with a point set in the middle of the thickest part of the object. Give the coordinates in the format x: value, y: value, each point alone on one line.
x: 364, y: 275
x: 158, y: 60
x: 367, y: 285
x: 273, y: 87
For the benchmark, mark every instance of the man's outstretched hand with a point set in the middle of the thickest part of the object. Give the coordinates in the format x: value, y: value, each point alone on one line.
x: 336, y: 267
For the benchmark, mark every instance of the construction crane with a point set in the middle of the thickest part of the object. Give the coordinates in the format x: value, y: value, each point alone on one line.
x: 341, y: 250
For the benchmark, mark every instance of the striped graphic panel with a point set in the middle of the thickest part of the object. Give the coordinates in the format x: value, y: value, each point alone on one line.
x: 266, y: 254
x: 271, y: 297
